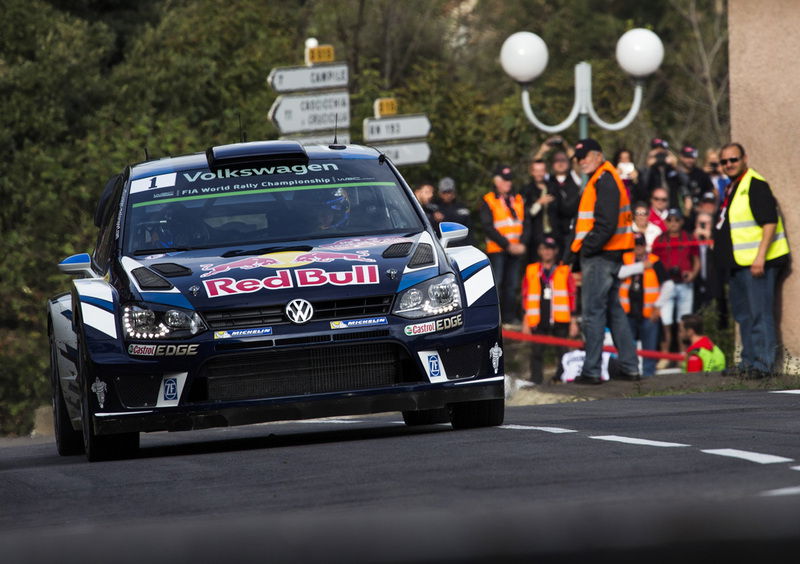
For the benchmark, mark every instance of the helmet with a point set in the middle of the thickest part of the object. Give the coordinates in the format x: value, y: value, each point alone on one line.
x: 333, y: 209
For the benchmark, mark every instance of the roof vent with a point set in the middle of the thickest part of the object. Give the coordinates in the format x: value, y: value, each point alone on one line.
x: 243, y: 155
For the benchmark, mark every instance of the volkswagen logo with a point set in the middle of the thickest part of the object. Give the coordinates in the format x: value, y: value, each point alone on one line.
x: 299, y: 311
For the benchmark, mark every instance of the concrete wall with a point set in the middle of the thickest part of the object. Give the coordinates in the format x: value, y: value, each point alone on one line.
x: 764, y: 50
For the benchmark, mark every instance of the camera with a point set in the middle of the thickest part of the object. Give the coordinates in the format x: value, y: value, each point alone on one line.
x: 661, y: 158
x: 556, y: 141
x: 675, y: 274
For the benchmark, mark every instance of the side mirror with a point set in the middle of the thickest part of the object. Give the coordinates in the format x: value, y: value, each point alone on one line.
x: 78, y: 264
x: 452, y: 232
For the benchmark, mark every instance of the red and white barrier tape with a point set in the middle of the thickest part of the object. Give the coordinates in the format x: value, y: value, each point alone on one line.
x: 576, y: 344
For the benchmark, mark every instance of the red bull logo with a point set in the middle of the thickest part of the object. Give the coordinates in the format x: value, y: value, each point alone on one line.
x: 245, y: 264
x: 285, y: 259
x: 359, y: 274
x: 330, y: 256
x: 363, y: 243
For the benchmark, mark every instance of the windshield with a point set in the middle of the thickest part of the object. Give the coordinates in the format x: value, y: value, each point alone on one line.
x: 204, y: 209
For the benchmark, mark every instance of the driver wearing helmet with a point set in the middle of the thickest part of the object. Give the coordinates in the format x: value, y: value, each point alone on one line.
x: 333, y: 211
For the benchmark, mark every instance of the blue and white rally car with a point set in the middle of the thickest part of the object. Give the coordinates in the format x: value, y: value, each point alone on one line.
x: 269, y: 281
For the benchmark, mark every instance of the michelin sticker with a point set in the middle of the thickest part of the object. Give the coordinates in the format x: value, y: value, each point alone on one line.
x: 434, y: 326
x: 239, y: 333
x: 351, y: 323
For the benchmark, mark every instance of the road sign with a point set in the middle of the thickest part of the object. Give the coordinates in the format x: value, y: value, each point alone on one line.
x: 319, y: 54
x: 383, y: 107
x: 411, y: 126
x: 415, y: 152
x: 293, y: 79
x: 323, y: 138
x: 311, y: 112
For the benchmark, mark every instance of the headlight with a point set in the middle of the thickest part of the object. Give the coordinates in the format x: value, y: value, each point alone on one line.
x: 432, y: 297
x: 158, y: 322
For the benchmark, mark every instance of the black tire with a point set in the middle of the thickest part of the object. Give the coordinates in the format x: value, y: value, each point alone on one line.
x: 69, y: 442
x: 472, y: 414
x: 100, y: 447
x: 426, y: 417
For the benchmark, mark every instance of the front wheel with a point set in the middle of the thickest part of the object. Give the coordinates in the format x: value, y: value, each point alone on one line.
x: 472, y: 414
x: 68, y: 441
x: 100, y: 447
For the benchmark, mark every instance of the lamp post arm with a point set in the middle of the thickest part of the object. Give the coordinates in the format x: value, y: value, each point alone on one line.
x: 628, y: 119
x: 526, y: 105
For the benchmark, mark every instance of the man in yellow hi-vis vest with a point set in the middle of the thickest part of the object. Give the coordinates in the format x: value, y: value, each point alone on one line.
x: 750, y: 244
x: 603, y: 233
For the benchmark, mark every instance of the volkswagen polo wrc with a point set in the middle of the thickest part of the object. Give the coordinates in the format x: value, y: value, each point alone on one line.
x: 269, y: 281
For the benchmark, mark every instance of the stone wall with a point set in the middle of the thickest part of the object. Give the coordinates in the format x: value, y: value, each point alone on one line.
x: 764, y: 49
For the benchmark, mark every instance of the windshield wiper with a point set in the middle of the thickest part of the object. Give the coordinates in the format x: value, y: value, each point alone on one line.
x: 159, y: 251
x: 264, y: 251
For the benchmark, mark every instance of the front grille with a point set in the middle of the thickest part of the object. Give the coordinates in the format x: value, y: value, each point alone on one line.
x: 138, y: 390
x: 243, y: 318
x: 290, y: 372
x: 274, y: 315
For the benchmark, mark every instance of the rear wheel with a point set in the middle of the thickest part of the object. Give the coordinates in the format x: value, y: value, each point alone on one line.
x: 471, y: 414
x: 68, y: 441
x: 100, y: 447
x: 426, y: 417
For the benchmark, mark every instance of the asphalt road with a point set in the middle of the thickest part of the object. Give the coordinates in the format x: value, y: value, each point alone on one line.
x: 706, y: 477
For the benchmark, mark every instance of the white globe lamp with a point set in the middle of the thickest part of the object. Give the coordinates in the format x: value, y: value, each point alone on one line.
x: 524, y: 56
x: 640, y: 52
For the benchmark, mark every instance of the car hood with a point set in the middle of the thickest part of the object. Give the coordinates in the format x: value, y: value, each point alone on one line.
x: 322, y: 269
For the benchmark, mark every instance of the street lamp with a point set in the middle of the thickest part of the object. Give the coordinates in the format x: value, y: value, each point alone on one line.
x: 524, y: 57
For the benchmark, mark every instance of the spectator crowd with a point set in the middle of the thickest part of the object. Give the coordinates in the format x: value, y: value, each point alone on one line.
x: 594, y: 246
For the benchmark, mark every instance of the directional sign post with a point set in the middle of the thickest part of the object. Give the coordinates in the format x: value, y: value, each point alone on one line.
x: 295, y: 79
x: 387, y: 126
x: 311, y: 112
x: 410, y: 126
x: 415, y: 152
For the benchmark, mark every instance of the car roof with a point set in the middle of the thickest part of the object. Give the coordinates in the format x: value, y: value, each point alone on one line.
x: 198, y: 160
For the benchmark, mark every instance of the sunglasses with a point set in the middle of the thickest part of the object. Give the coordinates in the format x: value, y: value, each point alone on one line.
x: 641, y: 214
x: 673, y: 218
x: 732, y: 160
x: 658, y: 199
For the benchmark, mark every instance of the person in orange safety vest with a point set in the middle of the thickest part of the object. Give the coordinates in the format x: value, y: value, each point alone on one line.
x: 603, y: 233
x: 548, y: 297
x: 502, y: 214
x: 642, y: 275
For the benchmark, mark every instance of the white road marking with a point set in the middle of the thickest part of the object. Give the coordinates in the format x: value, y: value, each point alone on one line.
x: 633, y: 441
x: 782, y: 491
x: 545, y: 429
x: 746, y: 455
x: 786, y: 392
x: 335, y: 421
x: 795, y: 468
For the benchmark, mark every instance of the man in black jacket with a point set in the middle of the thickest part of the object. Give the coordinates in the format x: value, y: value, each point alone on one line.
x: 603, y: 232
x: 565, y: 188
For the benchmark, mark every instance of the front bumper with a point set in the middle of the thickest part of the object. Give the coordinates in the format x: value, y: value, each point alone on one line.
x: 400, y: 398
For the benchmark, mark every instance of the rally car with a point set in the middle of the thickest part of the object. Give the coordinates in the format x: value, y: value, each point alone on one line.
x: 269, y: 281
